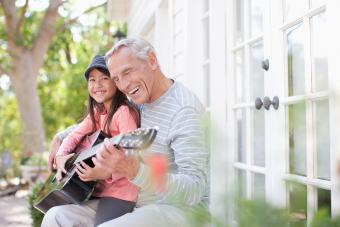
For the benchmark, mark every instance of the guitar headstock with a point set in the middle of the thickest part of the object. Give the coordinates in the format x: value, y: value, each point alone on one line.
x: 140, y: 138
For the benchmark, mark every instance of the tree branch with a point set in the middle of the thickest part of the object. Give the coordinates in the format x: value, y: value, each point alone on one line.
x: 46, y: 31
x: 73, y: 20
x: 21, y: 18
x: 10, y: 18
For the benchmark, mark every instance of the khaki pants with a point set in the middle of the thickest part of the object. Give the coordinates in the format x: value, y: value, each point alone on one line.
x: 155, y: 215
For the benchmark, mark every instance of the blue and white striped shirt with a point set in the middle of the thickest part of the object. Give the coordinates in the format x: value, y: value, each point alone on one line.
x: 178, y: 114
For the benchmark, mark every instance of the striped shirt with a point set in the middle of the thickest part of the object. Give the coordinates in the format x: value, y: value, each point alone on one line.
x: 178, y: 114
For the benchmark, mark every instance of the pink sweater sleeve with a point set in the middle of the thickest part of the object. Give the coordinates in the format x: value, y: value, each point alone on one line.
x: 74, y: 138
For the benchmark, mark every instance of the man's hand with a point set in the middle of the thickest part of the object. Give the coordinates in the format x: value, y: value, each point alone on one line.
x: 110, y: 157
x: 55, y: 144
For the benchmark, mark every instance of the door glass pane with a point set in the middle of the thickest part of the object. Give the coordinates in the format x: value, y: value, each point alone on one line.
x: 256, y: 71
x: 259, y: 185
x: 258, y: 138
x: 322, y: 139
x: 319, y: 52
x: 241, y: 135
x: 239, y: 76
x: 298, y: 204
x: 257, y: 9
x: 239, y: 20
x: 241, y: 184
x: 324, y: 200
x: 294, y: 9
x: 296, y: 61
x: 297, y: 139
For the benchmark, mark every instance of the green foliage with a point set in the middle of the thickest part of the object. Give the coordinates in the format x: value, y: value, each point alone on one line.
x: 259, y: 214
x: 34, y: 160
x: 61, y: 87
x: 36, y: 215
x: 322, y: 219
x: 200, y: 216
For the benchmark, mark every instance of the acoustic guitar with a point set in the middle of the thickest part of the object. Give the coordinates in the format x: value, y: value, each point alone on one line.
x: 70, y: 189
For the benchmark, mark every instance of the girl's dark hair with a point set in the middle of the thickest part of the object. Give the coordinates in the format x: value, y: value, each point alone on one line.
x: 118, y: 100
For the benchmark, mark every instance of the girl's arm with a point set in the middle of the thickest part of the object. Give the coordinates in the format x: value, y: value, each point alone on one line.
x: 74, y: 138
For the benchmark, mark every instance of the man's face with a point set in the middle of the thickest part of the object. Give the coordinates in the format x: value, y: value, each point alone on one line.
x: 133, y: 76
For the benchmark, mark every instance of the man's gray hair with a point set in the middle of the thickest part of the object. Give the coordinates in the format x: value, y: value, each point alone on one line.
x: 138, y: 46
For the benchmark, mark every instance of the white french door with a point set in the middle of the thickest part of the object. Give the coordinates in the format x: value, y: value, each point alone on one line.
x: 283, y: 147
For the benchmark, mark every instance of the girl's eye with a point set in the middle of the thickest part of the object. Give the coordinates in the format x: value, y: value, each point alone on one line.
x: 91, y: 80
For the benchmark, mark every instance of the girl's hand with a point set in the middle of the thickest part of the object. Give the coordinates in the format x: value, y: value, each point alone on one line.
x: 60, y: 162
x: 55, y: 144
x: 87, y: 173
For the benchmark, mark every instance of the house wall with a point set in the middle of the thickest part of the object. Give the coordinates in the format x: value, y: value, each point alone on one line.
x: 194, y: 41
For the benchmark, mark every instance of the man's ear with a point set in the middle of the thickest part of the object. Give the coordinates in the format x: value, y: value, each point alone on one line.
x: 152, y: 60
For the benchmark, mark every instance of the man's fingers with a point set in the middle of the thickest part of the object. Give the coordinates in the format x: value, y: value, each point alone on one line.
x: 109, y: 146
x: 80, y: 168
x: 95, y: 161
x: 84, y: 165
x: 81, y: 175
x: 79, y: 172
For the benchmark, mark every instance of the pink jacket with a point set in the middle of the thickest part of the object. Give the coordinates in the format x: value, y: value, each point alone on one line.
x: 122, y: 122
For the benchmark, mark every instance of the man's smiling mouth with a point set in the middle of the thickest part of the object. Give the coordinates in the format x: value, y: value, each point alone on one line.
x: 134, y: 91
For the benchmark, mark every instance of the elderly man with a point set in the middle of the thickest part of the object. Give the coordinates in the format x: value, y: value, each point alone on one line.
x: 178, y: 114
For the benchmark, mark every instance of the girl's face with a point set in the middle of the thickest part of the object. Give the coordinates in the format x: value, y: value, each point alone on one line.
x: 101, y: 88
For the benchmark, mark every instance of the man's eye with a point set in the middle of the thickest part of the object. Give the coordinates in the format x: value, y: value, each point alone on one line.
x: 115, y: 79
x: 127, y: 72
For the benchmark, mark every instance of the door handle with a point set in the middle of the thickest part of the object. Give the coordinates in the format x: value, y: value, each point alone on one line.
x: 267, y: 102
x: 258, y: 103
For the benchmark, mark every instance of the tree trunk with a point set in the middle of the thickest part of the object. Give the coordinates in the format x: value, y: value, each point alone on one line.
x: 24, y: 80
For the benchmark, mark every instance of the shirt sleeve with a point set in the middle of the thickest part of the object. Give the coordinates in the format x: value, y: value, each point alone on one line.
x: 187, y: 142
x: 74, y: 138
x: 62, y: 134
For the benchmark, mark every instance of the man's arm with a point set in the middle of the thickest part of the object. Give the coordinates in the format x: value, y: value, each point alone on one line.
x: 189, y: 184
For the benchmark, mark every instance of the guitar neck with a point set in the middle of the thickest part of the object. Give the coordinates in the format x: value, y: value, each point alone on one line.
x: 93, y: 150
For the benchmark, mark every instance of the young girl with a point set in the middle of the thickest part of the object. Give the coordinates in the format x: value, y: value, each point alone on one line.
x: 109, y: 111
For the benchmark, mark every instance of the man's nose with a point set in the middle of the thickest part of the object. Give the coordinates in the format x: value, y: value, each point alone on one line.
x: 123, y: 85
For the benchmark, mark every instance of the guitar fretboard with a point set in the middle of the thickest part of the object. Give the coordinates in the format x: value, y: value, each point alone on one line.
x: 93, y: 150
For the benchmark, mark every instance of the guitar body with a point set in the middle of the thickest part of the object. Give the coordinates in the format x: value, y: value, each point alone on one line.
x: 72, y: 190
